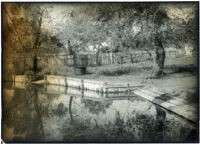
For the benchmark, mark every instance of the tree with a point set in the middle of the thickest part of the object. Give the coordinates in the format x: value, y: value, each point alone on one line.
x: 27, y: 36
x: 151, y: 32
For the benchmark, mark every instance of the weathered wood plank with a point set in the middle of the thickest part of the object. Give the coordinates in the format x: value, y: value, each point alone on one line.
x: 175, y: 105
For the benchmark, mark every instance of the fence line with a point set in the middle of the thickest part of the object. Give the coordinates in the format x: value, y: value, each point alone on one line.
x: 118, y: 58
x: 26, y: 63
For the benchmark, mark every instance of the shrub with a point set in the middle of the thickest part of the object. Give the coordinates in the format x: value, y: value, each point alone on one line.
x: 181, y: 68
x: 30, y: 75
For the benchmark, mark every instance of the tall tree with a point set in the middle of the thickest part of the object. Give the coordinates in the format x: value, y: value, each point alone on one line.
x: 28, y: 36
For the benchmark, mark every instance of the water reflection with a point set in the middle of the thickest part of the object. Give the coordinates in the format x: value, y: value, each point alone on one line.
x: 39, y: 113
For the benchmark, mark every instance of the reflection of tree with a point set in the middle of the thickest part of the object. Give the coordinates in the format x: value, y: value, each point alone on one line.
x: 130, y: 127
x: 26, y: 112
x: 38, y: 111
x: 160, y: 121
x: 96, y: 107
x: 61, y: 110
x: 70, y: 108
x: 160, y: 117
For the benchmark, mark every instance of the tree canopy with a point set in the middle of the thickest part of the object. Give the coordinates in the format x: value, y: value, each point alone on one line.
x: 126, y: 25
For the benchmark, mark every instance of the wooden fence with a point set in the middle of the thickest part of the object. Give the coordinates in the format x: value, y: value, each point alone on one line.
x: 26, y: 63
x: 118, y: 58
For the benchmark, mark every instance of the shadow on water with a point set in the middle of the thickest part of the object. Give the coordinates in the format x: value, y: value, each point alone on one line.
x: 70, y: 109
x: 47, y: 113
x: 23, y: 113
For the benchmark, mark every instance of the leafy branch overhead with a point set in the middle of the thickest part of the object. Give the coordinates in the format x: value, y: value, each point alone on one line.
x: 124, y: 26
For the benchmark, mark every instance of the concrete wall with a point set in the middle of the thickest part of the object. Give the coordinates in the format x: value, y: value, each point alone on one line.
x: 70, y: 91
x: 19, y: 78
x: 86, y: 84
x: 74, y: 82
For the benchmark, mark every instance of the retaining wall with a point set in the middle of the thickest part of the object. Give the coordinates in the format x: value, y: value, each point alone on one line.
x: 86, y: 84
x: 74, y: 82
x: 18, y: 78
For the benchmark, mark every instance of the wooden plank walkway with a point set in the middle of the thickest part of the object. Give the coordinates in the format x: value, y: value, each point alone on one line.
x: 174, y: 103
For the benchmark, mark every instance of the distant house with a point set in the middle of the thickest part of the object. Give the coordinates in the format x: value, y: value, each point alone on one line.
x: 188, y: 49
x: 173, y: 51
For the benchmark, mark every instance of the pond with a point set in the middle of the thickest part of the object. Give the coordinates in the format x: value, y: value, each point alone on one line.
x: 50, y: 113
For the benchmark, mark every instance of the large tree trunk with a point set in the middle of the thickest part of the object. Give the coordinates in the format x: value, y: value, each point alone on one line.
x: 70, y: 48
x: 70, y: 109
x: 159, y: 59
x: 38, y: 111
x: 35, y: 64
x: 97, y: 58
x: 37, y: 45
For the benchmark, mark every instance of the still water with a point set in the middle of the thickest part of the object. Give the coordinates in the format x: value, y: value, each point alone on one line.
x: 50, y: 113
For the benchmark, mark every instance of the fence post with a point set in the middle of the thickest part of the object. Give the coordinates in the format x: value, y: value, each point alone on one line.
x: 102, y: 59
x: 114, y: 57
x: 111, y: 58
x: 131, y: 56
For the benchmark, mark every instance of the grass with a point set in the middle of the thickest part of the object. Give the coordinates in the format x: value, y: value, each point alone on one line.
x: 117, y: 70
x: 181, y: 68
x: 171, y: 66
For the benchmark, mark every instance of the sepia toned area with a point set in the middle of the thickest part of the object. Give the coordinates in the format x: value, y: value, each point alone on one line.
x: 100, y: 72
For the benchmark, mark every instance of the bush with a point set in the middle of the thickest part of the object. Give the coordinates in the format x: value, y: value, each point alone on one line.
x: 55, y: 66
x: 181, y: 68
x: 30, y: 75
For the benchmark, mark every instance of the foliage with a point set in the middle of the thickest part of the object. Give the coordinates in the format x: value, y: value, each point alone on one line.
x: 133, y: 128
x: 26, y: 33
x: 55, y: 66
x: 30, y: 75
x: 123, y: 26
x: 112, y: 27
x: 96, y: 107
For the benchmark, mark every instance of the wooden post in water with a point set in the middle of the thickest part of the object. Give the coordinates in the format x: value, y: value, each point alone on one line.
x: 82, y: 84
x: 13, y: 78
x: 65, y: 81
x: 82, y: 93
x: 45, y: 78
